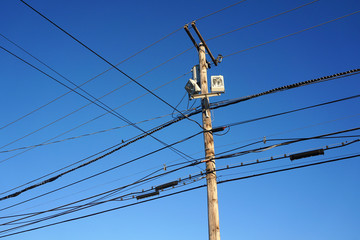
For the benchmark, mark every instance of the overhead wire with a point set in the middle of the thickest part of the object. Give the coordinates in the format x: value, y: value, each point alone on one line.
x: 103, y: 106
x: 262, y: 20
x: 291, y: 34
x: 261, y: 149
x: 91, y: 79
x: 292, y: 111
x: 126, y: 59
x: 83, y: 135
x: 49, y: 180
x: 288, y: 87
x: 182, y: 191
x: 190, y: 177
x: 278, y: 114
x: 254, y: 22
x: 95, y: 118
x: 109, y: 63
x: 219, y: 105
x: 220, y: 10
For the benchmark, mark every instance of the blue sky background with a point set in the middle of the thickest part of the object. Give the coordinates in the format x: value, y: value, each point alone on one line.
x: 314, y: 203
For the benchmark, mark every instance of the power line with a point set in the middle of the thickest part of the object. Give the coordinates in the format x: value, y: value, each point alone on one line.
x: 190, y: 177
x: 290, y: 168
x: 83, y: 135
x: 262, y: 20
x: 186, y: 190
x: 220, y: 10
x: 115, y: 147
x: 283, y: 143
x: 254, y: 22
x: 258, y: 161
x: 274, y: 115
x: 105, y: 60
x: 63, y: 117
x: 219, y: 105
x: 81, y: 166
x: 145, y: 179
x: 99, y: 116
x: 291, y: 111
x: 288, y: 87
x: 108, y: 109
x: 289, y: 35
x: 93, y: 78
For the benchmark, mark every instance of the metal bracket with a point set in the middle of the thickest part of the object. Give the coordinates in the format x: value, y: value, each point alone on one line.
x: 205, y: 95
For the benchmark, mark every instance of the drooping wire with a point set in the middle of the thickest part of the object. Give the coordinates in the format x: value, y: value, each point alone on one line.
x: 98, y: 117
x: 172, y: 113
x: 106, y: 108
x: 126, y: 59
x: 49, y: 180
x: 183, y: 191
x: 109, y: 63
x: 249, y: 24
x: 219, y: 105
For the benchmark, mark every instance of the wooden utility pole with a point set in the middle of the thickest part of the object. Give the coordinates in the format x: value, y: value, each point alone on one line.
x: 212, y: 196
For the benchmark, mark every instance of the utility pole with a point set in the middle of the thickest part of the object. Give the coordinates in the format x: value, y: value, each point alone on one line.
x: 192, y: 88
x: 212, y: 196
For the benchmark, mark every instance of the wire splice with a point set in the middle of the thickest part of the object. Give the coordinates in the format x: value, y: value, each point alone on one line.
x: 307, y: 154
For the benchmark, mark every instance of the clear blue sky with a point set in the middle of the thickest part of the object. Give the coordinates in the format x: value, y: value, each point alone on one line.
x: 321, y: 202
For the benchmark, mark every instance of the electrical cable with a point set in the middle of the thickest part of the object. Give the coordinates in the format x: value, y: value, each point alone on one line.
x: 265, y: 18
x: 126, y: 59
x: 241, y: 165
x: 186, y: 190
x: 109, y: 63
x: 261, y: 149
x: 292, y: 34
x: 172, y: 113
x: 295, y: 110
x: 288, y: 87
x: 115, y: 147
x: 106, y: 108
x: 83, y: 135
x: 93, y: 119
x: 81, y: 166
x: 269, y: 116
x: 223, y: 104
x: 262, y: 20
x: 220, y: 10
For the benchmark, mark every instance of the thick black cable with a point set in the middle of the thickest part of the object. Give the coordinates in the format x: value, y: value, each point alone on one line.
x: 281, y: 144
x: 238, y: 100
x: 112, y: 149
x: 287, y: 87
x: 186, y: 190
x: 295, y: 110
x: 290, y: 168
x: 265, y: 117
x: 84, y: 179
x: 142, y: 180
